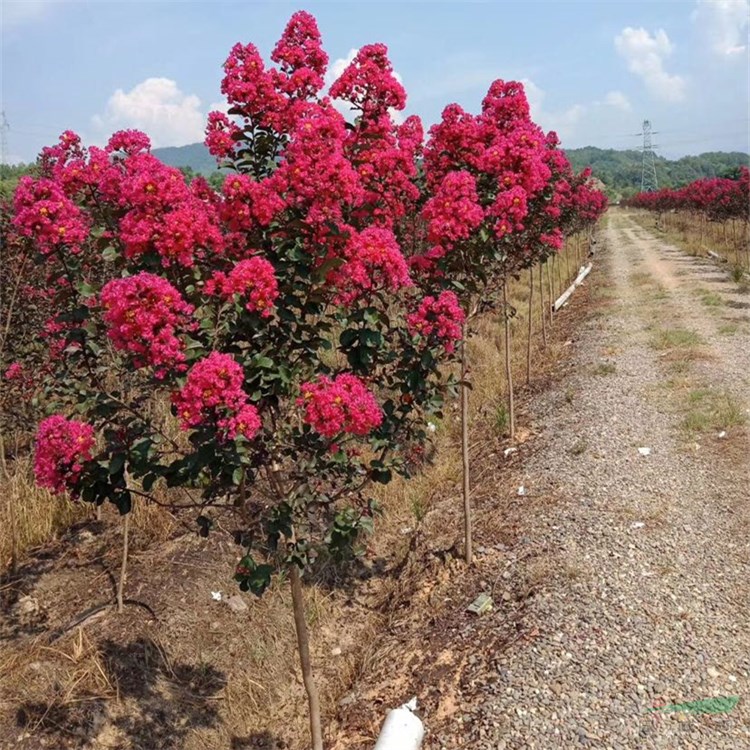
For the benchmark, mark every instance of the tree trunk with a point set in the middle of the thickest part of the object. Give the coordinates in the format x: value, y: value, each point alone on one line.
x: 124, y: 564
x: 509, y: 365
x: 303, y: 646
x: 531, y: 327
x: 544, y: 312
x: 468, y: 552
x: 551, y: 291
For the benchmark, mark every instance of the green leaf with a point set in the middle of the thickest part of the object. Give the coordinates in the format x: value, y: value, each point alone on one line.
x: 116, y: 463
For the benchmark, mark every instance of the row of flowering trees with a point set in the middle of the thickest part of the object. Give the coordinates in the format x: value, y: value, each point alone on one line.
x: 299, y: 321
x: 703, y: 205
x: 718, y: 198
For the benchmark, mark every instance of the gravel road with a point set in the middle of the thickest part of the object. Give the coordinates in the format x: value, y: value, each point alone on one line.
x: 645, y: 597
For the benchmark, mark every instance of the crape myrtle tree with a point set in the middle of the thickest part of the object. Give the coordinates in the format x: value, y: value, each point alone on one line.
x: 481, y: 172
x: 499, y: 197
x: 277, y: 318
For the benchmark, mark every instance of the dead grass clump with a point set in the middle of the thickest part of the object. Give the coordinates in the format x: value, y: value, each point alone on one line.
x: 30, y: 515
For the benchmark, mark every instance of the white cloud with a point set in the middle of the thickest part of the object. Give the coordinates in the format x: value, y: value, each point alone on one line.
x: 563, y: 122
x: 335, y: 69
x: 158, y: 107
x: 27, y: 11
x: 644, y: 55
x: 725, y: 24
x: 618, y: 100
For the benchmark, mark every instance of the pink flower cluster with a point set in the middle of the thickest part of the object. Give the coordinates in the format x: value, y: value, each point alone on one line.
x: 373, y: 261
x: 44, y: 213
x: 247, y: 85
x: 221, y: 135
x: 442, y: 318
x: 213, y: 394
x: 315, y: 176
x: 249, y: 204
x: 368, y: 83
x: 129, y: 142
x: 62, y: 447
x: 301, y: 57
x: 164, y: 215
x: 509, y: 210
x: 253, y: 279
x: 15, y: 371
x: 453, y: 212
x: 145, y: 315
x: 343, y: 404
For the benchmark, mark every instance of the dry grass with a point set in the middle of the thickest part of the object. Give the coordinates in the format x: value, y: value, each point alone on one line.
x: 729, y: 239
x: 29, y: 515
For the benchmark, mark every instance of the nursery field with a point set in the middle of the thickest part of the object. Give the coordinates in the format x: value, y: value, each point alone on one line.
x: 619, y: 579
x: 379, y: 412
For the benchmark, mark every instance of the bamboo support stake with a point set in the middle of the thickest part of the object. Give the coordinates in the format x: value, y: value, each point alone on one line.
x: 544, y: 312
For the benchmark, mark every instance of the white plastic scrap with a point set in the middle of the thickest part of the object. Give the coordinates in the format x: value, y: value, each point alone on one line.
x: 508, y: 451
x: 402, y: 730
x: 521, y: 490
x: 431, y: 427
x: 644, y: 451
x: 723, y: 434
x: 216, y: 596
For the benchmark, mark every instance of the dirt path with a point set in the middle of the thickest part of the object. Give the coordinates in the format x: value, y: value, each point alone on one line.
x: 644, y: 579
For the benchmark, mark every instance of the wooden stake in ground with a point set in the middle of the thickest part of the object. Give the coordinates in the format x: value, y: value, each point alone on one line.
x: 508, y: 364
x: 468, y: 552
x: 124, y: 564
x: 551, y: 292
x: 544, y: 312
x: 303, y: 647
x: 531, y: 325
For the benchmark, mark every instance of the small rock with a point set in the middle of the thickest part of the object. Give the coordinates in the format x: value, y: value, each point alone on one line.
x: 713, y: 672
x: 27, y: 606
x: 237, y: 604
x: 336, y: 651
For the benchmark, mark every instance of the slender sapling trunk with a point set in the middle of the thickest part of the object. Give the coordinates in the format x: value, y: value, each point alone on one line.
x: 508, y: 365
x: 468, y: 551
x: 303, y: 646
x: 531, y: 326
x: 124, y: 564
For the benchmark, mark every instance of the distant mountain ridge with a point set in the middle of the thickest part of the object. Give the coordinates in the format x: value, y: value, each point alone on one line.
x: 195, y: 156
x: 620, y: 171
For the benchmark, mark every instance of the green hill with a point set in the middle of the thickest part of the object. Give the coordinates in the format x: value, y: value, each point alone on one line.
x: 195, y: 156
x: 620, y: 171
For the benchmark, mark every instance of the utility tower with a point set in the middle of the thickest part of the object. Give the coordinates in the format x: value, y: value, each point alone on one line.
x: 4, y: 128
x: 648, y: 166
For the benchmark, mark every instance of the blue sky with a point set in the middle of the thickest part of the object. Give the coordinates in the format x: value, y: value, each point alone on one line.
x: 594, y: 70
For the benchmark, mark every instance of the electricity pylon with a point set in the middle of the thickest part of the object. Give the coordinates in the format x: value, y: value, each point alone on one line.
x: 648, y: 165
